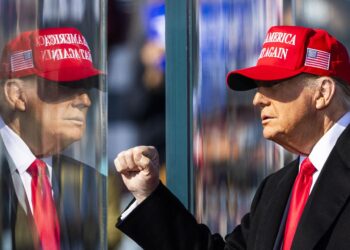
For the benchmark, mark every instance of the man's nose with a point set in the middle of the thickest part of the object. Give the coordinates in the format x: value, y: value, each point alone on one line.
x: 82, y: 100
x: 260, y: 100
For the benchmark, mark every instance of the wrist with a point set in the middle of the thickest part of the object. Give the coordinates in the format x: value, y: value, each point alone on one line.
x: 141, y: 196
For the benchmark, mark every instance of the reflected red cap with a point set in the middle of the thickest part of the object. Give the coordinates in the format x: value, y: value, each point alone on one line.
x: 290, y: 50
x: 55, y: 54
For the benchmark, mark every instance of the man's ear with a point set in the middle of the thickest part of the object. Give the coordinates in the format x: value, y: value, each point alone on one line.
x: 325, y: 92
x: 14, y: 94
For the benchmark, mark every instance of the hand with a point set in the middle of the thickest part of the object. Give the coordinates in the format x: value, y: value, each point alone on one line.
x: 139, y: 168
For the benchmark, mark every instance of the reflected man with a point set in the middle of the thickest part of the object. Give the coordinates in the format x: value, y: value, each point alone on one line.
x: 302, y: 81
x: 48, y: 200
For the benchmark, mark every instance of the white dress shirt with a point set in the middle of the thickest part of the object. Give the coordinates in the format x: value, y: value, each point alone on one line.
x: 20, y: 157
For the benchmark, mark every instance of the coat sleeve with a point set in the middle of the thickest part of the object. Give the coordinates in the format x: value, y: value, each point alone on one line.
x: 161, y: 222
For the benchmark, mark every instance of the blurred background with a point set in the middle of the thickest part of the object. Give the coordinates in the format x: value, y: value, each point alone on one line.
x: 136, y: 93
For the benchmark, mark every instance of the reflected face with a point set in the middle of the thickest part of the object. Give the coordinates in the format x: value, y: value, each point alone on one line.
x: 287, y: 109
x: 55, y: 115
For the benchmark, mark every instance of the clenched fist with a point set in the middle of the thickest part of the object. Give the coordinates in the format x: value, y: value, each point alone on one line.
x: 139, y: 168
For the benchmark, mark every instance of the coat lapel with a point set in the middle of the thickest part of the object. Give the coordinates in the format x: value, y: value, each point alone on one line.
x: 57, y: 177
x: 329, y: 195
x: 275, y: 208
x: 77, y: 199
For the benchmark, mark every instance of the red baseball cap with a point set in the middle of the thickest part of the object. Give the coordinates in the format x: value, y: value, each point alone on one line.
x: 55, y: 54
x: 290, y: 50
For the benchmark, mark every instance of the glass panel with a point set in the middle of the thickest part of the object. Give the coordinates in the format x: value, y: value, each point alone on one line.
x: 53, y: 108
x: 231, y: 157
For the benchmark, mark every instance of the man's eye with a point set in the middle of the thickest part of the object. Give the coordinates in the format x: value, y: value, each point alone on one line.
x: 274, y: 84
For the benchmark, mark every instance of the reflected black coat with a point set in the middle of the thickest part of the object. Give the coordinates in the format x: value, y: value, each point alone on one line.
x: 77, y: 194
x: 162, y: 223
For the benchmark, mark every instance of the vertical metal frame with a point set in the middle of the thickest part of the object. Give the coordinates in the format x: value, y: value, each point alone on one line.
x: 181, y: 72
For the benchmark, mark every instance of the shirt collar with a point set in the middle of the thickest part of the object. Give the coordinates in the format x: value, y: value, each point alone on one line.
x: 19, y: 152
x: 324, y: 146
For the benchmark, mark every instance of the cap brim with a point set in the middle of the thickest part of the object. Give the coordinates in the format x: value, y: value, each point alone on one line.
x: 68, y: 75
x: 244, y: 79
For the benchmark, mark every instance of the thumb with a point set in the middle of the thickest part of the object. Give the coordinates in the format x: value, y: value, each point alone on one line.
x: 151, y: 153
x: 144, y: 161
x: 145, y: 156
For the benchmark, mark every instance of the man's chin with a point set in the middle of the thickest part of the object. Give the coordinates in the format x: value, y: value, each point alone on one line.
x: 273, y: 136
x: 268, y: 134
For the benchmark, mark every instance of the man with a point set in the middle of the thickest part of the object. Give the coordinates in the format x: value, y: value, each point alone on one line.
x: 303, y: 80
x: 48, y: 200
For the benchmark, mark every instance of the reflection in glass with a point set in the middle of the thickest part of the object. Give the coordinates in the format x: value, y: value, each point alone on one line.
x: 230, y: 155
x: 52, y: 127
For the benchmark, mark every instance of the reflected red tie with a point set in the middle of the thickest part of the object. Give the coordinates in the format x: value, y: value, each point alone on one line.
x: 44, y: 210
x: 300, y: 194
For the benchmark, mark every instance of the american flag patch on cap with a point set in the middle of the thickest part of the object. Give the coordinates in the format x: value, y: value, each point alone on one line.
x: 21, y: 60
x: 317, y: 59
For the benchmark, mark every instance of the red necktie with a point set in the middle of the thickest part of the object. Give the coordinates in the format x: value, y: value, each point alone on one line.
x: 300, y: 194
x: 44, y: 210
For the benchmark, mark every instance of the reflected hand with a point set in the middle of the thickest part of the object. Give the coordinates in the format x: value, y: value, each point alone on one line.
x: 139, y: 168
